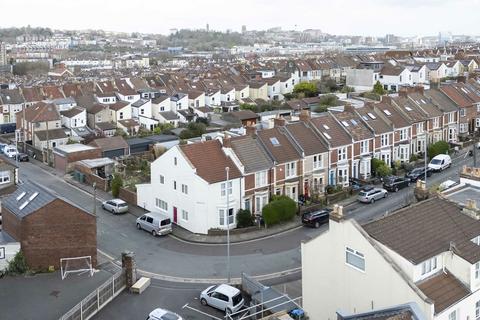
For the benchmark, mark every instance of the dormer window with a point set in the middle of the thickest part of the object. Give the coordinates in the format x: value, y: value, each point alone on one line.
x: 429, y: 265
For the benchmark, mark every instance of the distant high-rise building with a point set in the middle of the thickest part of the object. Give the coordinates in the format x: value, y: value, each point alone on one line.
x: 3, y: 54
x: 444, y: 37
x: 208, y: 28
x: 244, y: 28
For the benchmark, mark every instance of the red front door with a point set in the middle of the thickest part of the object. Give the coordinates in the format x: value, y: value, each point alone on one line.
x: 175, y: 214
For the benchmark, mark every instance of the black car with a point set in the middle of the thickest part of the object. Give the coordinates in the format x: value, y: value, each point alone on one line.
x: 394, y: 183
x: 22, y: 157
x: 418, y: 173
x: 316, y: 218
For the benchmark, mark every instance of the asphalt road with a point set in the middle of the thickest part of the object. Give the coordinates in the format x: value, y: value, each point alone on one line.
x: 176, y: 259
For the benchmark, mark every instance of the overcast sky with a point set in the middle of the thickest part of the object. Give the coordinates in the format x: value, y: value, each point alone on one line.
x: 353, y: 17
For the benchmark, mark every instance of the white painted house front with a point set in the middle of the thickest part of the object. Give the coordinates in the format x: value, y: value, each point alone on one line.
x: 188, y: 183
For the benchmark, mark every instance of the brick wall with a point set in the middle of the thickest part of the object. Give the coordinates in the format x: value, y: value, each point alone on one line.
x: 128, y: 196
x: 58, y: 230
x: 66, y: 163
x: 11, y: 224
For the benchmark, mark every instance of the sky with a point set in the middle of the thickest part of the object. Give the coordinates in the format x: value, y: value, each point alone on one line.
x: 341, y: 17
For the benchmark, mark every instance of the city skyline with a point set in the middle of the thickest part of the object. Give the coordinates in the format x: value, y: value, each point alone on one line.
x: 371, y: 18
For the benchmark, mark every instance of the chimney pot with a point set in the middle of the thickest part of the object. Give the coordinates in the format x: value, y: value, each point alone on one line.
x: 471, y: 204
x: 278, y: 122
x: 251, y: 130
x: 304, y: 115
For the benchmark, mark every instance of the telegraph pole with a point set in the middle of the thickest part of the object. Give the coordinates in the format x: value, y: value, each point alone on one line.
x: 227, y: 216
x: 94, y: 198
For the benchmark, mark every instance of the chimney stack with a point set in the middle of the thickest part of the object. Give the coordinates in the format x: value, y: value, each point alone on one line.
x: 386, y: 99
x: 227, y: 141
x: 278, y: 122
x: 304, y: 115
x: 337, y: 213
x: 471, y: 204
x: 348, y: 108
x: 251, y: 131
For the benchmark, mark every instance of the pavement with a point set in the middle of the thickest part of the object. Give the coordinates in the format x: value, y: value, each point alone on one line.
x: 45, y: 296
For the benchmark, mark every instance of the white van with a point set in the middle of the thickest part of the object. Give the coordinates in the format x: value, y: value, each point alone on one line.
x: 154, y: 223
x: 10, y: 151
x: 440, y: 162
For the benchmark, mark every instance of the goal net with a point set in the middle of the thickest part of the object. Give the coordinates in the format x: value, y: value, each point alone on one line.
x: 78, y: 265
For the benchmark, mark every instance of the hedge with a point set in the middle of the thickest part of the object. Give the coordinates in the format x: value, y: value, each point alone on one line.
x: 280, y: 209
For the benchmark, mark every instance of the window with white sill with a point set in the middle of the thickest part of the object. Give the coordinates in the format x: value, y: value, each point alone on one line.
x: 429, y: 266
x: 364, y: 147
x: 224, y: 188
x: 477, y: 122
x: 160, y: 204
x: 4, y: 177
x: 452, y: 315
x: 184, y: 189
x: 463, y: 112
x: 260, y: 202
x: 222, y: 218
x: 317, y: 161
x: 451, y: 117
x: 185, y: 215
x: 385, y: 140
x: 419, y: 128
x: 463, y: 127
x: 162, y: 179
x: 260, y: 179
x: 436, y: 123
x: 290, y: 169
x: 342, y: 154
x: 403, y: 134
x: 355, y: 259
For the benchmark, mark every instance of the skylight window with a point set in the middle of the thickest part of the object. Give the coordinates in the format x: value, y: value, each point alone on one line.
x: 387, y: 112
x: 476, y: 240
x: 345, y: 123
x: 371, y: 115
x: 33, y: 196
x: 274, y: 141
x: 327, y: 135
x: 365, y: 118
x: 21, y: 195
x: 408, y: 108
x: 423, y: 101
x: 326, y: 127
x: 354, y: 122
x: 24, y: 205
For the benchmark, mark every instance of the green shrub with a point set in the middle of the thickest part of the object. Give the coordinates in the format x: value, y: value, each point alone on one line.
x: 244, y: 219
x: 280, y: 209
x: 383, y: 170
x: 117, y: 183
x: 375, y: 163
x: 18, y: 265
x: 413, y: 157
x: 440, y: 147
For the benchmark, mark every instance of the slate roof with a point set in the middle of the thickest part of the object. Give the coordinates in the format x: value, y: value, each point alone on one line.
x: 11, y: 96
x: 390, y: 112
x: 444, y: 289
x: 351, y: 122
x: 72, y: 112
x: 32, y: 94
x: 306, y: 138
x: 111, y: 143
x: 53, y: 134
x: 251, y: 154
x: 106, y: 126
x: 441, y: 100
x: 243, y: 114
x: 40, y: 112
x: 119, y: 105
x: 426, y: 229
x: 413, y: 112
x: 210, y: 161
x: 43, y: 198
x: 283, y: 151
x: 371, y: 117
x: 425, y: 104
x: 334, y: 133
x: 169, y: 115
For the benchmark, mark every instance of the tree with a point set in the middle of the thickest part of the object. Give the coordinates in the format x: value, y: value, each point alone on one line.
x: 18, y: 265
x: 309, y: 89
x: 116, y: 184
x: 383, y: 170
x: 246, y: 106
x: 280, y: 209
x: 25, y: 68
x: 378, y: 89
x: 440, y: 147
x: 163, y: 128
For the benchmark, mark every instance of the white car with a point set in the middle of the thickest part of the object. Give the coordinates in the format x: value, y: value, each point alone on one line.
x: 222, y: 297
x: 162, y: 314
x: 10, y: 151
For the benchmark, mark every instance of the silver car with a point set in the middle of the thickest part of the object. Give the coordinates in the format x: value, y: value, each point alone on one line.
x: 370, y: 195
x: 155, y: 223
x: 115, y: 206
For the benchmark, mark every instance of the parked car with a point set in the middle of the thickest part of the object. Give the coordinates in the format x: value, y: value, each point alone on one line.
x: 394, y: 183
x: 316, y: 218
x: 2, y: 147
x: 370, y: 195
x: 162, y: 314
x: 440, y: 162
x: 155, y: 223
x: 115, y: 206
x: 22, y: 157
x: 222, y: 297
x: 418, y: 173
x: 10, y: 151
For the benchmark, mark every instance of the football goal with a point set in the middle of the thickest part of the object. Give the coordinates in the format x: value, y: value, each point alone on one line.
x: 78, y: 265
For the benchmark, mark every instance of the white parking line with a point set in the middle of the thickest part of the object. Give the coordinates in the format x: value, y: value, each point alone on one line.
x: 201, y: 312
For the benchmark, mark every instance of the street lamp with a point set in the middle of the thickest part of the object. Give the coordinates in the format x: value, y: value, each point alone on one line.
x: 227, y: 216
x: 94, y: 198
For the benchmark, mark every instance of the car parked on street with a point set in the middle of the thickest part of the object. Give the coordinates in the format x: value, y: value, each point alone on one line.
x: 371, y: 194
x: 222, y: 297
x: 10, y: 151
x: 162, y: 314
x: 115, y: 206
x: 418, y: 173
x: 316, y: 218
x: 155, y: 223
x: 22, y: 157
x: 440, y: 162
x: 394, y: 183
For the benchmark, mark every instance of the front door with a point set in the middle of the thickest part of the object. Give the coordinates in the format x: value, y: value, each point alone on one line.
x: 175, y: 214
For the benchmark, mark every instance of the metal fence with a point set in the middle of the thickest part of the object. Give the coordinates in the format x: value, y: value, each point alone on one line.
x: 97, y: 299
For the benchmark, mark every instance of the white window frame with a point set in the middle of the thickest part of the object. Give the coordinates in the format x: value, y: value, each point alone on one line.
x: 318, y: 161
x: 385, y: 139
x: 419, y: 127
x: 477, y: 122
x: 477, y: 270
x: 221, y: 216
x: 364, y: 147
x: 342, y: 154
x: 349, y: 252
x: 462, y: 112
x: 436, y: 123
x: 477, y: 310
x: 261, y: 200
x: 160, y: 204
x: 184, y: 188
x: 463, y: 128
x: 261, y: 179
x: 223, y: 188
x: 452, y: 315
x: 429, y: 266
x: 403, y: 134
x: 184, y: 215
x: 291, y: 169
x: 4, y: 177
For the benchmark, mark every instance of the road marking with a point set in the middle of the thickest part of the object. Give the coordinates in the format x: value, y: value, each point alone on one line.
x: 201, y: 312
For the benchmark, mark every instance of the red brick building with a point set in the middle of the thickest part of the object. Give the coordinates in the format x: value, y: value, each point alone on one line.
x: 48, y: 227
